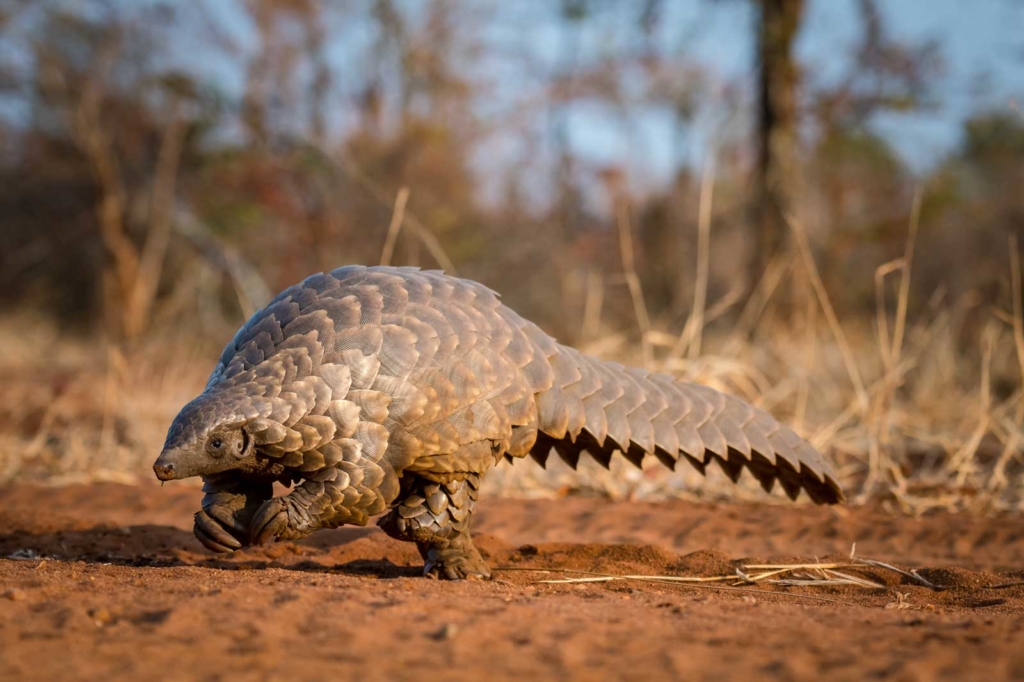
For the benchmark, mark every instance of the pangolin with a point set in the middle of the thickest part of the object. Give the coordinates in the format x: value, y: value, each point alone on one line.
x: 382, y: 389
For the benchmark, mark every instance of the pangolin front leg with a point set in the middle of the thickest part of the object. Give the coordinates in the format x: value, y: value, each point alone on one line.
x: 436, y: 516
x: 349, y: 493
x: 228, y: 507
x: 292, y: 516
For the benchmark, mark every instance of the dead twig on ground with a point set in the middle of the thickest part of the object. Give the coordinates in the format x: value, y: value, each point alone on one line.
x: 811, y: 574
x: 604, y: 577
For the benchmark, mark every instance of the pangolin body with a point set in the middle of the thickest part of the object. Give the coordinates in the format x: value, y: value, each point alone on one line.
x: 396, y: 389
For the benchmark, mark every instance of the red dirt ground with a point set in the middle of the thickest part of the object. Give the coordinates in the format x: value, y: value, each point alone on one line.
x: 106, y: 582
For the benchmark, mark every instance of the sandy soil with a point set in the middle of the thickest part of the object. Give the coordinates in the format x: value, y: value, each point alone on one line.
x: 106, y: 582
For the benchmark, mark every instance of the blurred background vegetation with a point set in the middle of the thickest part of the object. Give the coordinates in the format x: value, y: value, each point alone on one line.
x: 813, y: 204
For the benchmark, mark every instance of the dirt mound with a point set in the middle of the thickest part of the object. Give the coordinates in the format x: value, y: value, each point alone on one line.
x: 106, y: 581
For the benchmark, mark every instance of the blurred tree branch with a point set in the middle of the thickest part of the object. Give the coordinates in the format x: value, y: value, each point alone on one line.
x: 154, y: 250
x: 132, y: 274
x: 90, y: 133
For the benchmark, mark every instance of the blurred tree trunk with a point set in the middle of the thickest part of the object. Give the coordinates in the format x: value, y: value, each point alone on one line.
x: 257, y: 88
x: 777, y: 178
x: 320, y: 87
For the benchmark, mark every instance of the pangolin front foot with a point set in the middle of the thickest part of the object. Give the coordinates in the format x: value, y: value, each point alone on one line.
x: 458, y: 560
x: 283, y: 518
x: 222, y: 525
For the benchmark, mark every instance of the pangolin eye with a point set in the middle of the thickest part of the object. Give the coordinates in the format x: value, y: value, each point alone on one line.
x: 216, y: 443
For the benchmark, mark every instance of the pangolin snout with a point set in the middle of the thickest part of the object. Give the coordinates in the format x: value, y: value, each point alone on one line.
x: 163, y: 469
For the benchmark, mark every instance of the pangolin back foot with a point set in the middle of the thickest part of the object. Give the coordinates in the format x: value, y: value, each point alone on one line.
x: 457, y: 559
x: 436, y: 516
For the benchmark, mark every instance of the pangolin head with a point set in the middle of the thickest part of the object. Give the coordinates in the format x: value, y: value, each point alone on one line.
x: 208, y: 436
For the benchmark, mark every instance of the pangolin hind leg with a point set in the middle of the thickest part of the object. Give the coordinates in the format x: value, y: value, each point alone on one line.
x: 436, y: 516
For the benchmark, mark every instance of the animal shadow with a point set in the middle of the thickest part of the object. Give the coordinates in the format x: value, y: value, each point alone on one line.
x: 365, y: 552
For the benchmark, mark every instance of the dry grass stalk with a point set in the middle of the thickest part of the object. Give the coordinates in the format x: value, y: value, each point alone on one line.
x: 690, y: 338
x: 998, y: 481
x: 960, y: 462
x: 397, y: 218
x: 814, y: 574
x: 725, y: 304
x: 913, y: 575
x: 830, y: 313
x: 593, y: 304
x: 881, y: 314
x: 908, y: 260
x: 775, y: 273
x: 410, y: 221
x: 1018, y: 314
x: 636, y: 292
x: 710, y: 585
x: 1003, y: 586
x: 891, y: 351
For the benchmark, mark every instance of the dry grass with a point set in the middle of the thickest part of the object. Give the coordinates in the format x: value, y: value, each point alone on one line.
x: 78, y: 411
x: 927, y: 416
x: 853, y: 572
x: 815, y: 574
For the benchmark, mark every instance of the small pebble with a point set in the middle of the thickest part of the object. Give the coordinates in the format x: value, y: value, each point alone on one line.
x: 14, y: 594
x: 101, y: 616
x: 447, y: 632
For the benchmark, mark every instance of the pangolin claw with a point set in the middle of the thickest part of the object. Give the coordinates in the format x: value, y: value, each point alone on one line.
x: 213, y: 534
x: 446, y: 571
x: 454, y: 571
x: 460, y: 560
x: 271, y: 521
x: 229, y: 520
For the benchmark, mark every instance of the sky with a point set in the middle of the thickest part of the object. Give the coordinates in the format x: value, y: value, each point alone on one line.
x: 982, y: 43
x: 982, y: 46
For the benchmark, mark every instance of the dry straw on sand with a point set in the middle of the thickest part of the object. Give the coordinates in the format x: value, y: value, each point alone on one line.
x: 747, y: 577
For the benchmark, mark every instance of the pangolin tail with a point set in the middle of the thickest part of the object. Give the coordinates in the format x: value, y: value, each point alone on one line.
x: 599, y: 407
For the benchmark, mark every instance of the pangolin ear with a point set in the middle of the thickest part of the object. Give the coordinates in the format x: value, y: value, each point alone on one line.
x: 244, y: 445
